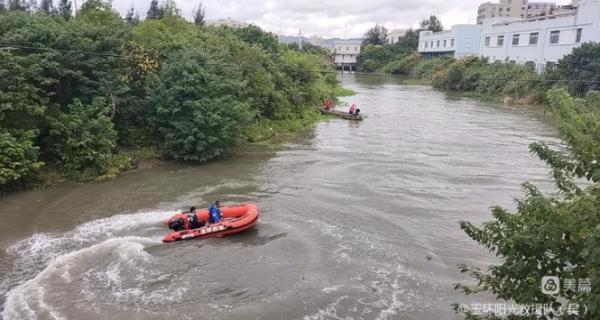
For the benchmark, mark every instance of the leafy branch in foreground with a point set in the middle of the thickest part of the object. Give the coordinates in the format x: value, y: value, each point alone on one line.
x: 549, y: 235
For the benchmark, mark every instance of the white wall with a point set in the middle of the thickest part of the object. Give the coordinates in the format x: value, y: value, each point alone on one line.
x: 460, y: 41
x: 587, y: 18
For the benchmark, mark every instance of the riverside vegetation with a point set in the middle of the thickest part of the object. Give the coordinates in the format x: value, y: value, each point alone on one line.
x: 83, y: 97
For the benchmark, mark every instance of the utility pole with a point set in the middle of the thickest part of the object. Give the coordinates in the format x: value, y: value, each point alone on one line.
x: 300, y: 39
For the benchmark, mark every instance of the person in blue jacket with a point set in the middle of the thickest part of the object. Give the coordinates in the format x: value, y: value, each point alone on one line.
x: 214, y: 212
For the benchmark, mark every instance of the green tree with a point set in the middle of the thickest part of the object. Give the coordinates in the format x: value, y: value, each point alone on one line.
x: 169, y: 9
x: 18, y: 157
x: 155, y: 11
x: 132, y: 17
x: 409, y: 42
x: 375, y: 36
x: 255, y: 35
x: 550, y: 235
x: 373, y: 57
x: 17, y: 5
x: 199, y: 15
x: 432, y: 24
x: 83, y: 139
x: 64, y: 9
x: 46, y: 6
x: 582, y: 68
x: 194, y: 107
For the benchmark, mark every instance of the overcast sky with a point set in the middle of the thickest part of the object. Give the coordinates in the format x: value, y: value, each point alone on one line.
x: 328, y: 18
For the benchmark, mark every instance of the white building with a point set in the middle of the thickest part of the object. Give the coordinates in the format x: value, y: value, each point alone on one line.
x: 542, y: 41
x: 345, y: 53
x: 461, y: 41
x: 395, y: 35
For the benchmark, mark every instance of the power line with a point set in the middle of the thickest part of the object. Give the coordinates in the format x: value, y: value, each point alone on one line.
x: 241, y: 65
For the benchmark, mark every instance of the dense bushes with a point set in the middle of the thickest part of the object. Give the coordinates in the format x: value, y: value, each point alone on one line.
x: 73, y: 92
x: 195, y: 107
x: 82, y: 139
x: 18, y: 157
x: 579, y: 72
x: 581, y: 68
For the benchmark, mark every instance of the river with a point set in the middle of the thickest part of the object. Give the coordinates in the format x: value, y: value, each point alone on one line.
x: 358, y: 220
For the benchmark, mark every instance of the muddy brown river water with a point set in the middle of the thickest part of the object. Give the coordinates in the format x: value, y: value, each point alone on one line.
x: 358, y: 220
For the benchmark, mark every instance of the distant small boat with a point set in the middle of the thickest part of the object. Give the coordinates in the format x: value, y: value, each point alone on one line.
x: 341, y: 114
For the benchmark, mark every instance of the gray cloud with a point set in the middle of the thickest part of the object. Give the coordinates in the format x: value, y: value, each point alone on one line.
x: 327, y: 18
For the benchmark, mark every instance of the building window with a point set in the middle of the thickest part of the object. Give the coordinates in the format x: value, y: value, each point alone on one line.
x: 515, y: 41
x: 426, y: 43
x: 554, y: 36
x: 533, y: 38
x: 500, y: 41
x: 487, y: 41
x: 507, y: 9
x: 445, y: 42
x: 437, y: 44
x: 578, y: 36
x: 347, y: 48
x: 452, y: 42
x: 550, y: 65
x: 339, y: 48
x: 431, y: 44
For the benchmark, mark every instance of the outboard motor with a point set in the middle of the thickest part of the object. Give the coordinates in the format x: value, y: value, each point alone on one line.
x: 177, y: 224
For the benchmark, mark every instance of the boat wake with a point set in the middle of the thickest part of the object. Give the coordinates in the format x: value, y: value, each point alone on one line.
x: 99, y: 262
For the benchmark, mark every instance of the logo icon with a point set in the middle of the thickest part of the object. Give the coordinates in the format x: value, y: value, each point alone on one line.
x: 550, y: 285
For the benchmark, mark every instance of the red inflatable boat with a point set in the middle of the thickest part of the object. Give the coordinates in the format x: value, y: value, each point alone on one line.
x: 235, y: 219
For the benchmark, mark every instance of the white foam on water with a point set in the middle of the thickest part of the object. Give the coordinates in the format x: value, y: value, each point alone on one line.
x: 122, y: 238
x: 331, y: 289
x: 24, y: 301
x: 330, y: 312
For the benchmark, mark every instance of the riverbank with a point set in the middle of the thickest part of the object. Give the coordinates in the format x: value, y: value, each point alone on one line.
x: 128, y: 160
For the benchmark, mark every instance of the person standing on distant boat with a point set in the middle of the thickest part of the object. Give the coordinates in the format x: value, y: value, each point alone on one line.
x: 214, y: 212
x: 352, y: 109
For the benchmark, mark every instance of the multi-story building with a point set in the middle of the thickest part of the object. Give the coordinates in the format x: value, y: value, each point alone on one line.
x: 537, y: 9
x: 541, y: 41
x: 461, y: 41
x: 395, y: 35
x: 345, y: 53
x: 502, y: 9
x: 521, y: 9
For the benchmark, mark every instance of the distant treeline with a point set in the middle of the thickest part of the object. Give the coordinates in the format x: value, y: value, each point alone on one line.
x: 77, y: 93
x: 578, y: 72
x: 377, y: 54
